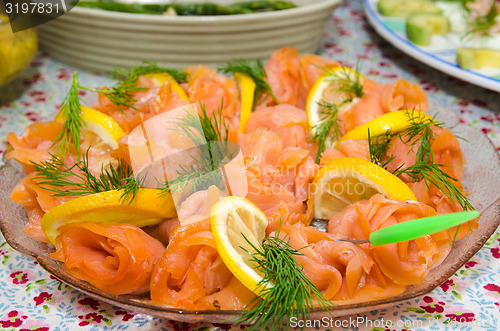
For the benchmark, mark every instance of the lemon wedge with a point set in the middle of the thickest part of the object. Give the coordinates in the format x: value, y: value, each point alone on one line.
x: 232, y: 220
x: 162, y: 77
x: 332, y: 87
x: 247, y: 92
x: 343, y: 181
x: 147, y: 208
x: 395, y: 122
x: 97, y: 125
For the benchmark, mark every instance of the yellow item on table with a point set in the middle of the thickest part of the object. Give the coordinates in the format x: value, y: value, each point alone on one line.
x: 17, y: 50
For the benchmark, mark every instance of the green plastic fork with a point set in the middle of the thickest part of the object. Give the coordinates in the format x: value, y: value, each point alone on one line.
x: 415, y: 228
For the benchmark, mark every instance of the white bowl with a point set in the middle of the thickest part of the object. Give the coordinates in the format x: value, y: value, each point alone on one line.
x: 100, y: 40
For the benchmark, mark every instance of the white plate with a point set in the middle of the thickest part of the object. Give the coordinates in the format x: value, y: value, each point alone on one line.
x: 440, y: 54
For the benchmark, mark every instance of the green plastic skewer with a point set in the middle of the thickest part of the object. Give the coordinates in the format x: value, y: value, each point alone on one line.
x: 420, y: 227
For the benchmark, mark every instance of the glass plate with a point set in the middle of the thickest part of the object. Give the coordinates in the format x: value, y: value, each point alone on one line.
x: 481, y: 179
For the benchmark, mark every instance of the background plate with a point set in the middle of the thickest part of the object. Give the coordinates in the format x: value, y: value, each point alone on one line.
x: 439, y: 55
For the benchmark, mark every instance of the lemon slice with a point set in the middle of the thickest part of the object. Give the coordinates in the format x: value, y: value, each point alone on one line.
x: 344, y: 181
x: 395, y: 122
x: 233, y: 219
x: 332, y: 87
x: 162, y: 77
x: 97, y: 124
x: 147, y: 208
x: 247, y: 92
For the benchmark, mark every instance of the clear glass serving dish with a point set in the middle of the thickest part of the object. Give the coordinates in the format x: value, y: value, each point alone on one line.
x: 481, y: 179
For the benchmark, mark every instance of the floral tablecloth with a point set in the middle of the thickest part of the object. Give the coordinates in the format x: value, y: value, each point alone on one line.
x: 31, y: 299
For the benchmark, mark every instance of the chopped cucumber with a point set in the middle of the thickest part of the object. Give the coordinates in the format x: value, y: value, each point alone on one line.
x: 475, y: 58
x: 403, y: 8
x: 421, y: 26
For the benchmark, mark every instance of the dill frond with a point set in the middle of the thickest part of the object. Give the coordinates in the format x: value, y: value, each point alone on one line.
x: 255, y: 70
x: 346, y: 83
x: 198, y: 179
x: 210, y: 134
x: 481, y: 25
x: 433, y: 174
x: 378, y: 148
x: 70, y: 134
x: 122, y: 94
x: 147, y: 67
x: 328, y: 129
x: 291, y: 293
x: 78, y: 180
x: 419, y: 130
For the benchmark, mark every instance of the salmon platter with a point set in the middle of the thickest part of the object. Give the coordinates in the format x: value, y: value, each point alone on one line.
x: 250, y: 193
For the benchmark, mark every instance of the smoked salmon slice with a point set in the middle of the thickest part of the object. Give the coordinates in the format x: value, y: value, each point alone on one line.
x: 275, y: 174
x: 155, y: 99
x: 192, y: 275
x: 289, y: 122
x: 34, y: 145
x: 379, y: 99
x: 116, y: 258
x: 342, y: 271
x: 404, y: 263
x: 37, y: 201
x: 291, y: 75
x: 446, y: 151
x: 205, y: 86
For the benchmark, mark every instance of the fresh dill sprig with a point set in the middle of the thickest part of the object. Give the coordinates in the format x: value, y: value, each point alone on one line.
x: 255, y: 70
x: 328, y: 128
x: 197, y: 178
x: 346, y: 80
x: 70, y: 134
x: 147, y: 67
x: 419, y: 130
x: 78, y: 180
x: 122, y: 94
x: 210, y: 134
x: 349, y: 84
x: 378, y: 148
x: 290, y: 293
x: 432, y: 173
x: 481, y: 25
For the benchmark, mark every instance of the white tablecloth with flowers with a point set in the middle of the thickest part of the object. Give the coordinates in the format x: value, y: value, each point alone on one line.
x: 31, y: 299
